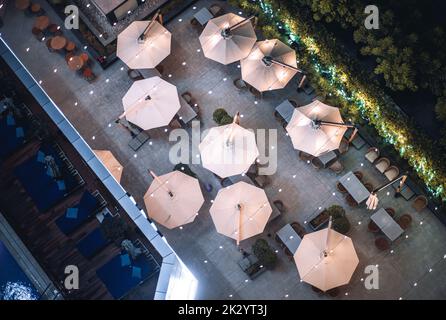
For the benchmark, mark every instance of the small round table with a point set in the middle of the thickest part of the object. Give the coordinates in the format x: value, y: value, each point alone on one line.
x: 42, y: 22
x: 35, y: 8
x: 22, y: 4
x: 75, y: 63
x: 70, y: 46
x: 58, y: 43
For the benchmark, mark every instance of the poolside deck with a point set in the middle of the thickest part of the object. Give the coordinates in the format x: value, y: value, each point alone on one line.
x: 411, y: 269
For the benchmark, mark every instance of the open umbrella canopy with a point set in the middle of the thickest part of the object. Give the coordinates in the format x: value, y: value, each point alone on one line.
x: 227, y: 38
x: 240, y: 211
x: 145, y: 53
x: 173, y: 199
x: 110, y: 162
x: 312, y: 137
x: 151, y: 103
x: 228, y: 150
x: 263, y: 68
x: 326, y: 259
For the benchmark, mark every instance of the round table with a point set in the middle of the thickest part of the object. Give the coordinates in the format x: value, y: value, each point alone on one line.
x: 75, y: 63
x: 35, y: 8
x: 70, y: 46
x: 22, y: 4
x: 58, y: 42
x: 42, y: 22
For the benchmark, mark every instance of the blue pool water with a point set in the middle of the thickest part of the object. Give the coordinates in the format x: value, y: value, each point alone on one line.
x: 14, y: 284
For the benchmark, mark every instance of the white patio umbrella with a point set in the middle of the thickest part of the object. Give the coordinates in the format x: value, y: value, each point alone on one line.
x: 270, y: 65
x: 316, y: 128
x: 143, y: 44
x: 326, y: 259
x: 228, y: 150
x: 110, y: 162
x: 373, y: 200
x: 173, y: 199
x: 151, y: 103
x: 240, y: 211
x: 228, y: 38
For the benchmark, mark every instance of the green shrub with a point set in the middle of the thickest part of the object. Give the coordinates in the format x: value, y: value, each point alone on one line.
x: 340, y: 222
x: 221, y: 117
x: 266, y: 255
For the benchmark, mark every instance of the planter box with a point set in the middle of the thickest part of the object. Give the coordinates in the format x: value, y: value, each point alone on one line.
x: 319, y: 221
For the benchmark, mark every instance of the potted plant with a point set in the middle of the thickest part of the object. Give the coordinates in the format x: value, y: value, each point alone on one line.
x: 221, y: 117
x: 266, y: 255
x: 115, y: 230
x: 340, y: 222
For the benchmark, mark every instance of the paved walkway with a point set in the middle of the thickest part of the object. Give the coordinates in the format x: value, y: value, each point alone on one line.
x: 92, y: 108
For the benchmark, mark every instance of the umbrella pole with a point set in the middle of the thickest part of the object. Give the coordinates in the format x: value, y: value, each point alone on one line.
x: 330, y: 221
x: 239, y: 207
x: 231, y: 132
x: 143, y: 36
x: 239, y: 24
x: 155, y: 177
x: 286, y: 66
x: 372, y: 201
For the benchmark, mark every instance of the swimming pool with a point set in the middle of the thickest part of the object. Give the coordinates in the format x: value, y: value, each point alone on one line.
x: 14, y: 284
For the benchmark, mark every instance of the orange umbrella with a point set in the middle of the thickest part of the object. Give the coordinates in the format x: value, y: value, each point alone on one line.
x: 240, y: 211
x: 326, y: 259
x: 110, y: 162
x: 173, y: 199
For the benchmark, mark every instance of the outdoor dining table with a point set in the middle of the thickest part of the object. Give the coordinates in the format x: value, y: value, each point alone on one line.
x: 203, y: 16
x: 75, y: 63
x: 387, y: 224
x: 327, y: 158
x: 186, y: 113
x: 42, y: 22
x: 354, y: 187
x: 58, y: 43
x: 22, y: 4
x: 285, y: 110
x: 289, y: 237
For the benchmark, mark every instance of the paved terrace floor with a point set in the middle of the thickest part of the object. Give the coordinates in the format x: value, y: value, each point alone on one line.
x: 412, y: 269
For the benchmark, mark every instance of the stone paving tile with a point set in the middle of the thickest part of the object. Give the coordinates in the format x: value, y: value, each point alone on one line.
x: 303, y: 189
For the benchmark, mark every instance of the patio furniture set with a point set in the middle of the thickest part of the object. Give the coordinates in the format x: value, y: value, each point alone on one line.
x: 56, y: 42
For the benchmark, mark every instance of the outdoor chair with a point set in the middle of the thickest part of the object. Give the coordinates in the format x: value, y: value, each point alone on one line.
x: 317, y: 290
x: 333, y: 292
x: 372, y: 154
x: 341, y: 188
x: 160, y: 69
x: 419, y: 203
x: 368, y: 186
x: 36, y: 9
x: 216, y: 10
x: 336, y: 167
x: 382, y: 243
x: 257, y: 94
x: 392, y: 172
x: 359, y: 175
x: 316, y: 163
x: 135, y: 75
x: 37, y: 33
x: 372, y: 227
x: 405, y: 221
x: 54, y: 30
x: 294, y: 103
x: 390, y: 211
x: 261, y: 181
x: 175, y: 124
x: 343, y: 147
x: 305, y: 156
x: 88, y: 75
x: 194, y: 22
x: 48, y: 45
x: 382, y: 164
x: 350, y: 201
x: 68, y: 56
x: 240, y: 84
x: 187, y: 97
x: 279, y: 205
